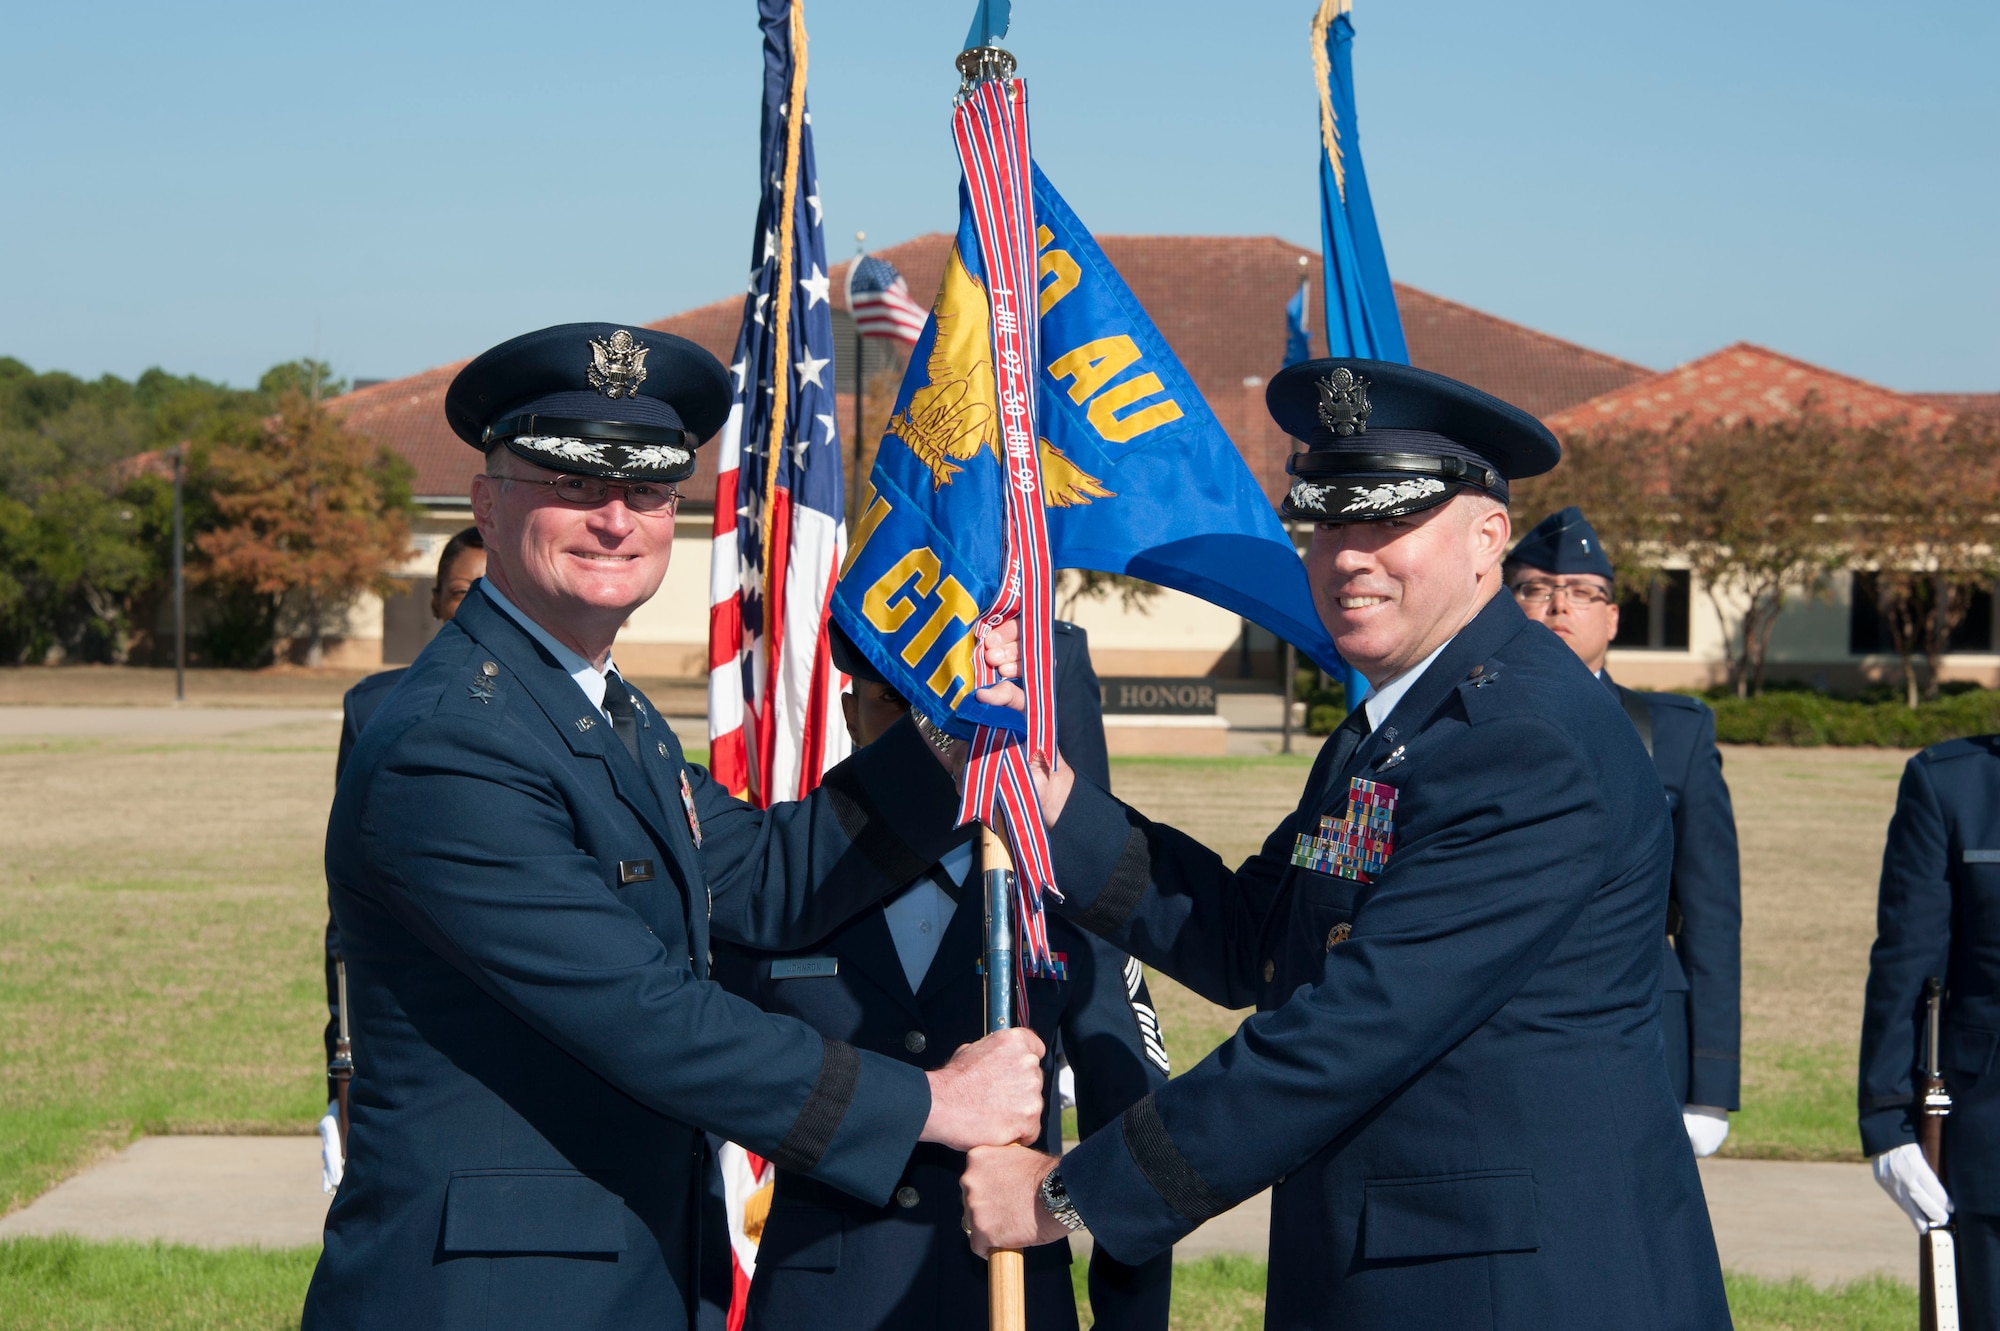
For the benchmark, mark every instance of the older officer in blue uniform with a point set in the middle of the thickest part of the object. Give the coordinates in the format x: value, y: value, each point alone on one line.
x: 1561, y: 577
x: 526, y: 874
x: 902, y: 979
x: 1939, y: 915
x: 1453, y: 1081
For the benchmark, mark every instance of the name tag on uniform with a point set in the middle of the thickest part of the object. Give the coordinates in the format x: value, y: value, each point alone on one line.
x: 1982, y: 857
x: 1357, y: 844
x: 634, y: 871
x: 804, y: 968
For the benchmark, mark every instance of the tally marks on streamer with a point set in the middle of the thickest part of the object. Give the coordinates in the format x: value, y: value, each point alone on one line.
x: 991, y: 130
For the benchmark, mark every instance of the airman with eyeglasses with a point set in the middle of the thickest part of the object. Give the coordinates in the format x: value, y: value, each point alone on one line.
x: 1581, y: 609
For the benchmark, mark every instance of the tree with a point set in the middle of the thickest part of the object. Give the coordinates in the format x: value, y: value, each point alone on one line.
x: 1074, y: 586
x: 1619, y: 480
x: 1918, y: 512
x: 306, y: 506
x: 1748, y: 505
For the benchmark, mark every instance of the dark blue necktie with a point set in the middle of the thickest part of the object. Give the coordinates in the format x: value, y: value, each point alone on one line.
x: 624, y: 715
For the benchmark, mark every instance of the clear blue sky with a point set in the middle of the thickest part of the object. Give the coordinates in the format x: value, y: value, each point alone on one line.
x: 216, y: 187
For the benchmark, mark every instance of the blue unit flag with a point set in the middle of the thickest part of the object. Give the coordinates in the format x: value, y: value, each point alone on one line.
x: 1138, y: 477
x: 1361, y: 317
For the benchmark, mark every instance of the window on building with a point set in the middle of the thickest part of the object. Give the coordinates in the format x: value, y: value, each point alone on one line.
x: 1868, y: 632
x: 1655, y: 617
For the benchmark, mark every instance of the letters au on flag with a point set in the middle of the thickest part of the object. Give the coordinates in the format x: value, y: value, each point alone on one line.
x: 1137, y: 474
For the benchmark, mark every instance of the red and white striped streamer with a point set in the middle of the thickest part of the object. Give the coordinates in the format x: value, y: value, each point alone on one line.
x: 991, y: 129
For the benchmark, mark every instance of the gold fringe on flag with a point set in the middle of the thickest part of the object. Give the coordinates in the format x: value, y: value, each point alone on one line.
x: 1329, y: 130
x: 781, y: 325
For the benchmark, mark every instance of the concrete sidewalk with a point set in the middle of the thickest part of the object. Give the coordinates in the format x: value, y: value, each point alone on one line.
x: 150, y: 723
x: 1772, y: 1218
x: 213, y: 1192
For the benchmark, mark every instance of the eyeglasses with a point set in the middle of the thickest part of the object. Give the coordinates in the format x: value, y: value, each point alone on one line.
x: 1579, y: 593
x: 584, y: 491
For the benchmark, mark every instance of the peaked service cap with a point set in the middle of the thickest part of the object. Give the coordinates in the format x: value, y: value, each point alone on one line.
x: 593, y: 399
x: 1385, y: 440
x: 1562, y: 543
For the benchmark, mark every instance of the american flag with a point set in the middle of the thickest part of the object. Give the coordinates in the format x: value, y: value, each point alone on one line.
x: 774, y: 718
x: 880, y: 301
x: 773, y: 694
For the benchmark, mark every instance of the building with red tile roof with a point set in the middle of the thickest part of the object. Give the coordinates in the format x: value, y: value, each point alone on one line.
x: 1218, y: 300
x: 1749, y: 382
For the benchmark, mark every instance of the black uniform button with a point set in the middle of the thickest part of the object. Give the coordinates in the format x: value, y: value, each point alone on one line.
x: 915, y: 1042
x: 1270, y: 971
x: 907, y: 1197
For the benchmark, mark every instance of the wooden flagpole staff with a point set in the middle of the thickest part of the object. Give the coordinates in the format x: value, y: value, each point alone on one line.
x: 1007, y: 1308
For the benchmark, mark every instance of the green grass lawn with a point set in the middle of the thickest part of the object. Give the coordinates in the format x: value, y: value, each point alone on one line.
x: 161, y: 906
x: 1227, y: 1294
x: 59, y: 1284
x: 1798, y: 1104
x: 63, y: 1283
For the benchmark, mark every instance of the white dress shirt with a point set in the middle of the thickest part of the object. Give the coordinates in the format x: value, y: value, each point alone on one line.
x: 1383, y: 700
x: 587, y: 676
x: 918, y: 915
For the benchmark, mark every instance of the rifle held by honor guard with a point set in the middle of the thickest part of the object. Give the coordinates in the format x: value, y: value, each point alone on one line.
x: 1937, y: 1273
x: 341, y: 1068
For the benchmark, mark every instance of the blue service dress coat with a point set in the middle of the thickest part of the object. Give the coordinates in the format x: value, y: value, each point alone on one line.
x: 526, y: 914
x: 1701, y: 1014
x: 356, y: 707
x: 1455, y: 1077
x: 833, y: 1261
x: 1939, y: 915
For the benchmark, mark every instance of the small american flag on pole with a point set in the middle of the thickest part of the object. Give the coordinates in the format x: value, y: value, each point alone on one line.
x: 880, y: 301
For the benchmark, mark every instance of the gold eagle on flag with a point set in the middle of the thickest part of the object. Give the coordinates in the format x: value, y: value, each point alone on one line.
x: 957, y: 413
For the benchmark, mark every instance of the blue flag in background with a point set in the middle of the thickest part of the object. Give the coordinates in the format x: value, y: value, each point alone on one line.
x: 1138, y: 477
x: 1361, y: 317
x: 1298, y: 338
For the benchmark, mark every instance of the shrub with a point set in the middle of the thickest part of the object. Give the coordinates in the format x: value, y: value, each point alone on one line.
x: 1810, y: 720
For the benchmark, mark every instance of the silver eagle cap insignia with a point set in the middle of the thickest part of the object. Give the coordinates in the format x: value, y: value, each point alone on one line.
x: 617, y: 365
x: 1343, y: 402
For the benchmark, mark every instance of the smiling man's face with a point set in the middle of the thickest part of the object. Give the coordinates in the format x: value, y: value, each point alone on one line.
x: 1392, y: 591
x: 577, y: 570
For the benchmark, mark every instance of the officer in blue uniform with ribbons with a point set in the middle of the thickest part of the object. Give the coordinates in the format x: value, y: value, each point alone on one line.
x: 1938, y: 916
x: 526, y: 874
x: 903, y: 979
x: 1453, y: 1083
x: 1561, y: 577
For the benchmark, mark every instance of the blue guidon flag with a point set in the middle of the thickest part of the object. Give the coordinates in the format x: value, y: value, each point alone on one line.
x: 773, y: 692
x: 1137, y: 476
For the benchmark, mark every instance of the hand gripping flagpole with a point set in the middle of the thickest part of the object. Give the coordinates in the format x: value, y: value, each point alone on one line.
x: 990, y: 127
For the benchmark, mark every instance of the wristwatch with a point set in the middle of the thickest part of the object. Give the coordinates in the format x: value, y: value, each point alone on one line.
x: 1055, y: 1197
x: 946, y: 744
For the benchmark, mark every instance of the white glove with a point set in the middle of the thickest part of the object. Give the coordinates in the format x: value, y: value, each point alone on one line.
x: 331, y: 1165
x: 1707, y: 1128
x: 1908, y: 1179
